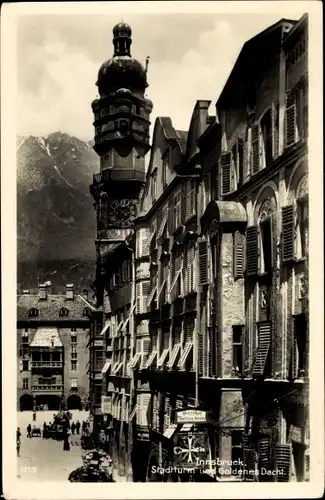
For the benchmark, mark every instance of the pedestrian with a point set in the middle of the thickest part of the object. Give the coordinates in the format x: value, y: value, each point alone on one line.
x: 83, y: 426
x: 18, y: 434
x: 29, y: 430
x: 66, y: 444
x: 73, y: 427
x: 78, y: 427
x: 34, y: 416
x: 44, y: 431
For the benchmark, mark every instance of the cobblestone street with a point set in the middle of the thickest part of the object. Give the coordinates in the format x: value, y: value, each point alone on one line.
x: 44, y: 459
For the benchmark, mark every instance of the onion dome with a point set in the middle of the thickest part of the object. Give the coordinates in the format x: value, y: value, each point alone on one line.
x: 121, y: 71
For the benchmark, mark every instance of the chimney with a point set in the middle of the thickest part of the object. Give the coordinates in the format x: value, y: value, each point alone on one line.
x: 69, y: 292
x: 85, y: 293
x: 42, y: 292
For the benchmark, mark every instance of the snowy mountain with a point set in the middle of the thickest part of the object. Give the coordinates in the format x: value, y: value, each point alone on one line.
x: 56, y: 218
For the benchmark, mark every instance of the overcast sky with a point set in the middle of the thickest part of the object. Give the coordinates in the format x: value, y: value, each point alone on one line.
x: 59, y: 56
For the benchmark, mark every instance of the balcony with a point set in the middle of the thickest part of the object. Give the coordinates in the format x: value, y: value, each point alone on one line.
x: 47, y: 364
x: 47, y: 388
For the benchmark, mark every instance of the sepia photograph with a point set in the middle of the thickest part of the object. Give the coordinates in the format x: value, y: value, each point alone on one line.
x: 162, y: 214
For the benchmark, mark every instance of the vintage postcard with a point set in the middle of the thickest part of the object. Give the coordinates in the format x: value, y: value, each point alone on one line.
x: 162, y: 250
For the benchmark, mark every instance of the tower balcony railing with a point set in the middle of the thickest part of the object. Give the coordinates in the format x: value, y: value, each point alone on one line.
x: 47, y: 364
x: 119, y: 174
x: 47, y: 388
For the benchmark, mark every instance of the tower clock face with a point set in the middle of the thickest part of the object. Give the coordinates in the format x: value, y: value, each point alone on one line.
x: 122, y: 212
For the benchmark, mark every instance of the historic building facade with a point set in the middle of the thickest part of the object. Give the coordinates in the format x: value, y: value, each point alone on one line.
x: 52, y: 349
x: 205, y: 302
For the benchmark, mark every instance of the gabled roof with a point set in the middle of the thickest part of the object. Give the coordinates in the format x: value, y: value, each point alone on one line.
x: 248, y: 56
x: 49, y: 309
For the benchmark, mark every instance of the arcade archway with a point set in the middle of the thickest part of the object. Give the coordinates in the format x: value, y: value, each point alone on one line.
x: 74, y: 402
x: 26, y: 402
x: 49, y: 401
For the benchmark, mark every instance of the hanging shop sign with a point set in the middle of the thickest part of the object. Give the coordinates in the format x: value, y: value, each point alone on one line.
x: 191, y: 417
x: 191, y: 450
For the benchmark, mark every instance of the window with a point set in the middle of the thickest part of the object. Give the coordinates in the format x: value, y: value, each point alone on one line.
x: 190, y: 268
x: 302, y: 110
x: 64, y: 311
x: 33, y: 313
x: 25, y: 365
x: 190, y: 198
x: 265, y: 246
x: 86, y: 311
x: 302, y: 217
x: 154, y: 187
x: 203, y: 263
x: 296, y: 118
x: 237, y: 349
x: 299, y: 346
x: 236, y: 450
x: 164, y: 170
x: 256, y: 162
x: 287, y: 233
x: 177, y: 211
x: 74, y: 383
x: 266, y: 129
x: 73, y: 339
x: 73, y: 364
x: 74, y: 355
x: 237, y: 154
x: 25, y: 383
x: 24, y: 349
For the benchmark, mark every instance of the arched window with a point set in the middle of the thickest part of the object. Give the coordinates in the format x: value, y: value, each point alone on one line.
x: 33, y: 312
x: 64, y: 311
x: 103, y: 206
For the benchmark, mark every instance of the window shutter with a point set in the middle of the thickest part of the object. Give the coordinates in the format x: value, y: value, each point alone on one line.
x: 203, y: 262
x: 200, y: 353
x: 263, y: 348
x: 252, y: 250
x: 294, y: 356
x: 189, y: 329
x: 275, y: 128
x: 166, y: 339
x: 247, y: 154
x: 249, y: 458
x: 255, y: 148
x: 146, y: 346
x: 238, y: 255
x: 145, y: 234
x: 145, y: 291
x: 210, y: 352
x: 290, y: 118
x: 225, y: 172
x: 171, y: 225
x: 138, y: 244
x: 264, y: 452
x: 287, y: 233
x: 138, y: 298
x: 283, y: 461
x: 167, y: 413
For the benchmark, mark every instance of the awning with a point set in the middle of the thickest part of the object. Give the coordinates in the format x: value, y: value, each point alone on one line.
x: 174, y: 280
x: 161, y: 288
x: 170, y: 431
x: 104, y: 330
x: 186, y: 351
x: 134, y: 361
x: 46, y: 337
x: 117, y: 368
x: 151, y: 296
x: 174, y: 355
x: 106, y: 366
x: 119, y: 327
x: 150, y: 360
x: 162, y: 225
x: 162, y: 358
x: 132, y: 414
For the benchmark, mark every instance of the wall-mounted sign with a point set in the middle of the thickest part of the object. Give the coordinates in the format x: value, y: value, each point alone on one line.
x: 191, y: 416
x: 106, y: 404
